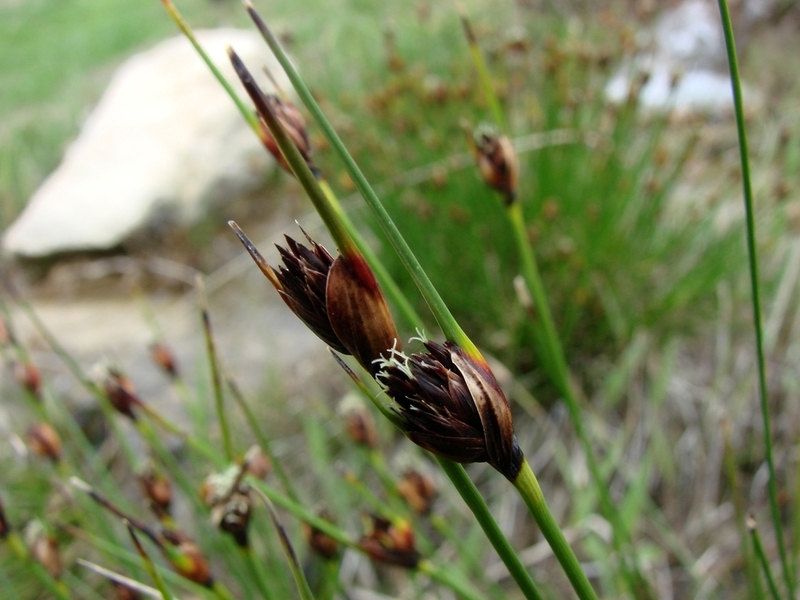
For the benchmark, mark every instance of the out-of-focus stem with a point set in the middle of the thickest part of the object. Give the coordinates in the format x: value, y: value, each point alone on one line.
x: 752, y: 253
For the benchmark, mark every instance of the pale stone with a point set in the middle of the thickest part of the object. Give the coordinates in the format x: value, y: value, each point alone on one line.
x: 685, y: 61
x: 164, y: 142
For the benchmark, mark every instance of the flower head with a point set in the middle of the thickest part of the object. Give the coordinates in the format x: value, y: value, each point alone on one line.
x: 418, y: 489
x: 28, y: 376
x: 230, y: 502
x: 390, y: 542
x: 451, y: 404
x: 337, y: 298
x: 319, y: 541
x: 43, y: 548
x: 43, y: 440
x: 119, y: 390
x: 496, y: 160
x: 163, y: 356
x: 295, y: 126
x: 184, y: 555
x: 157, y: 490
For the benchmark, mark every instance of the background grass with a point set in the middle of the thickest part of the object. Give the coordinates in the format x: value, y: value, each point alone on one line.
x: 638, y: 236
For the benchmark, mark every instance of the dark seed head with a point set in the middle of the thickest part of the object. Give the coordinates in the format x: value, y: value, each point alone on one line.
x: 452, y: 405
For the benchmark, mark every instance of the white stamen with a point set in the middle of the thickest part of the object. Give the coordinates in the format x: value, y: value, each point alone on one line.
x: 397, y: 359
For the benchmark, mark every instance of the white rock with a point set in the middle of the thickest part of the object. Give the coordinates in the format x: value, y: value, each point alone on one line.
x: 687, y: 42
x: 164, y: 142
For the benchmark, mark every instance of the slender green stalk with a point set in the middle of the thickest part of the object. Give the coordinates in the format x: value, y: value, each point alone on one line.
x: 263, y: 440
x: 450, y: 327
x: 747, y: 188
x: 762, y: 558
x: 388, y: 284
x: 483, y: 72
x: 213, y: 365
x: 458, y: 585
x: 148, y: 563
x: 560, y: 373
x: 294, y: 565
x: 729, y: 462
x: 254, y: 566
x: 549, y: 343
x: 18, y: 547
x: 528, y: 487
x: 393, y: 291
x: 187, y: 31
x: 477, y: 505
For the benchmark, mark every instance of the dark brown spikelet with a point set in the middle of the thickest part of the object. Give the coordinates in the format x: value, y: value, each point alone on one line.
x: 418, y: 490
x: 358, y: 311
x: 120, y: 392
x: 320, y: 542
x: 44, y: 441
x: 185, y: 557
x: 452, y: 405
x: 304, y: 278
x: 390, y: 542
x: 496, y: 161
x: 295, y: 126
x: 163, y: 356
x: 157, y: 489
x: 29, y: 377
x: 338, y: 299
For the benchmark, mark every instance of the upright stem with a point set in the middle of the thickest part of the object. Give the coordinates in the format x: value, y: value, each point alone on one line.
x: 528, y: 487
x: 738, y: 105
x: 213, y: 366
x: 450, y: 327
x: 559, y: 371
x: 477, y: 505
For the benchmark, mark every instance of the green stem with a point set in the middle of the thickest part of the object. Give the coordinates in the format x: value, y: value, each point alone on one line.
x: 738, y: 104
x: 762, y: 559
x: 55, y: 586
x: 389, y: 286
x: 254, y: 565
x: 213, y: 365
x: 559, y: 371
x: 187, y: 31
x: 477, y: 505
x: 295, y: 160
x: 149, y: 566
x: 387, y: 283
x: 263, y: 440
x: 459, y: 586
x: 483, y: 73
x: 528, y: 487
x: 450, y: 327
